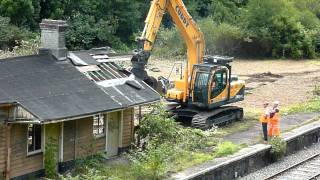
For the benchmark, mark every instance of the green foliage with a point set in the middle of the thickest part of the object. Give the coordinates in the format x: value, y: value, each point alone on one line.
x: 278, y: 148
x: 226, y: 148
x: 247, y: 28
x: 50, y: 158
x: 153, y: 162
x: 279, y: 26
x: 169, y: 43
x: 223, y: 11
x: 11, y: 35
x: 165, y: 142
x: 21, y: 12
x: 310, y: 106
x: 223, y: 39
x: 316, y: 90
x: 85, y: 32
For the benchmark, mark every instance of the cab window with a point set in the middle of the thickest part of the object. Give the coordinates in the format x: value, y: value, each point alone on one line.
x: 218, y: 83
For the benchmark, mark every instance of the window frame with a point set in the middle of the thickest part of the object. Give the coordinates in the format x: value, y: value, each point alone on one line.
x: 30, y: 153
x: 99, y: 135
x: 224, y: 82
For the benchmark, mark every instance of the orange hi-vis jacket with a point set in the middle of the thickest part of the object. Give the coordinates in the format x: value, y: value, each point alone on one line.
x: 264, y: 118
x: 274, y: 125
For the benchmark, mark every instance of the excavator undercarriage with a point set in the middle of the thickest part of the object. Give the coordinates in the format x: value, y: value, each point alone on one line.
x: 206, y: 119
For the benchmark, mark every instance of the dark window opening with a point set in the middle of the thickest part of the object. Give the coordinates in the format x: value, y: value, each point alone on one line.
x: 34, y: 138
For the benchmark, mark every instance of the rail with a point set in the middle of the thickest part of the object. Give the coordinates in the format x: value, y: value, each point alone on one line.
x: 307, y: 169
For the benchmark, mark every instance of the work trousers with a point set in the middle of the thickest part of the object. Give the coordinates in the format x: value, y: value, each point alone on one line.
x: 265, y: 131
x: 274, y: 130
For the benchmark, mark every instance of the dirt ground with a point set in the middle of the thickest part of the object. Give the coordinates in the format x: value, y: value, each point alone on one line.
x: 288, y: 81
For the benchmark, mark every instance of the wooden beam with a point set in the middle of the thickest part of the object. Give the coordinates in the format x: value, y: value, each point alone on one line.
x: 8, y: 144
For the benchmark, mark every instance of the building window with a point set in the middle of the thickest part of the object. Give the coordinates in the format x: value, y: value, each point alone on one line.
x: 34, y: 139
x: 98, y: 125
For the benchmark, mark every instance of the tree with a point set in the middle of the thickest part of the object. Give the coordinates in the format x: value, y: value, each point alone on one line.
x: 224, y: 11
x: 21, y: 12
x: 276, y: 24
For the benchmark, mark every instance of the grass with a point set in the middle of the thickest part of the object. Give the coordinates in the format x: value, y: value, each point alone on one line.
x: 226, y: 148
x: 251, y: 118
x: 310, y: 106
x: 188, y: 159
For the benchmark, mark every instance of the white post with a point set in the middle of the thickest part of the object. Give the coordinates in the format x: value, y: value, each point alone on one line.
x: 121, y: 129
x: 61, y: 142
x: 106, y: 131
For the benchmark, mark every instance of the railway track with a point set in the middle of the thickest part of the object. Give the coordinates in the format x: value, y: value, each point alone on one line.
x: 308, y: 169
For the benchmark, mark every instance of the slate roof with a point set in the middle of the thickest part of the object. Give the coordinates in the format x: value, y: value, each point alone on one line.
x: 55, y: 90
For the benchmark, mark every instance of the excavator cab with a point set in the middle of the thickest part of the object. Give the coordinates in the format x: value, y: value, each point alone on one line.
x: 210, y: 85
x: 210, y: 82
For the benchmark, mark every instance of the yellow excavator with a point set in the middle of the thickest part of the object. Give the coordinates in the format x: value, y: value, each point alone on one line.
x: 207, y: 85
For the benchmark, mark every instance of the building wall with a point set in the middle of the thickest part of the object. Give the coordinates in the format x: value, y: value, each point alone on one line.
x: 22, y: 164
x: 128, y: 126
x: 78, y: 141
x: 69, y: 140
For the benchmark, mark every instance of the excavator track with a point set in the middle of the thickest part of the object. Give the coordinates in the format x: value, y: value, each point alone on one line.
x: 207, y: 119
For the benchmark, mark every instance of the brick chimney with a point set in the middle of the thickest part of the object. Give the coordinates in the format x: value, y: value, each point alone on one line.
x: 53, y: 38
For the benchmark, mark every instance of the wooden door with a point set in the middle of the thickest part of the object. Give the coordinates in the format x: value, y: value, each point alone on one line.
x: 113, y: 133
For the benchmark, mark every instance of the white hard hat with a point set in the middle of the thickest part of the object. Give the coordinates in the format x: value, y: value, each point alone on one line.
x: 276, y: 102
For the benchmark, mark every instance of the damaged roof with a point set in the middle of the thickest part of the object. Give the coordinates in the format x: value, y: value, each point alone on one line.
x: 113, y: 79
x: 55, y: 90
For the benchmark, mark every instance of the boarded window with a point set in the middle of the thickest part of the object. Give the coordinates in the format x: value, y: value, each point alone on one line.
x: 34, y: 139
x: 98, y: 125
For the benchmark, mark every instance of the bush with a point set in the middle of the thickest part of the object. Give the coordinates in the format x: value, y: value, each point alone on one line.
x: 316, y: 90
x: 86, y: 32
x: 278, y: 148
x: 164, y: 140
x: 280, y: 25
x: 11, y: 35
x: 153, y: 162
x: 50, y: 158
x: 25, y: 48
x: 226, y: 148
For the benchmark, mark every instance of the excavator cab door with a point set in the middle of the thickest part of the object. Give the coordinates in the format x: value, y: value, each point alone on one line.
x: 209, y: 85
x: 200, y: 82
x: 218, y: 83
x: 200, y: 90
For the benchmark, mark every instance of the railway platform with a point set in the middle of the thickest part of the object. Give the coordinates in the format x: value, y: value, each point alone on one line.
x: 299, y: 131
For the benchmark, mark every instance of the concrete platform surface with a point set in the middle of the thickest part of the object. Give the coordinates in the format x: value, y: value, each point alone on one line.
x: 253, y: 134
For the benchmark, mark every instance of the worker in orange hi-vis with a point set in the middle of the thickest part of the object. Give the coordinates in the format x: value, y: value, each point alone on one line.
x: 264, y: 119
x: 274, y: 128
